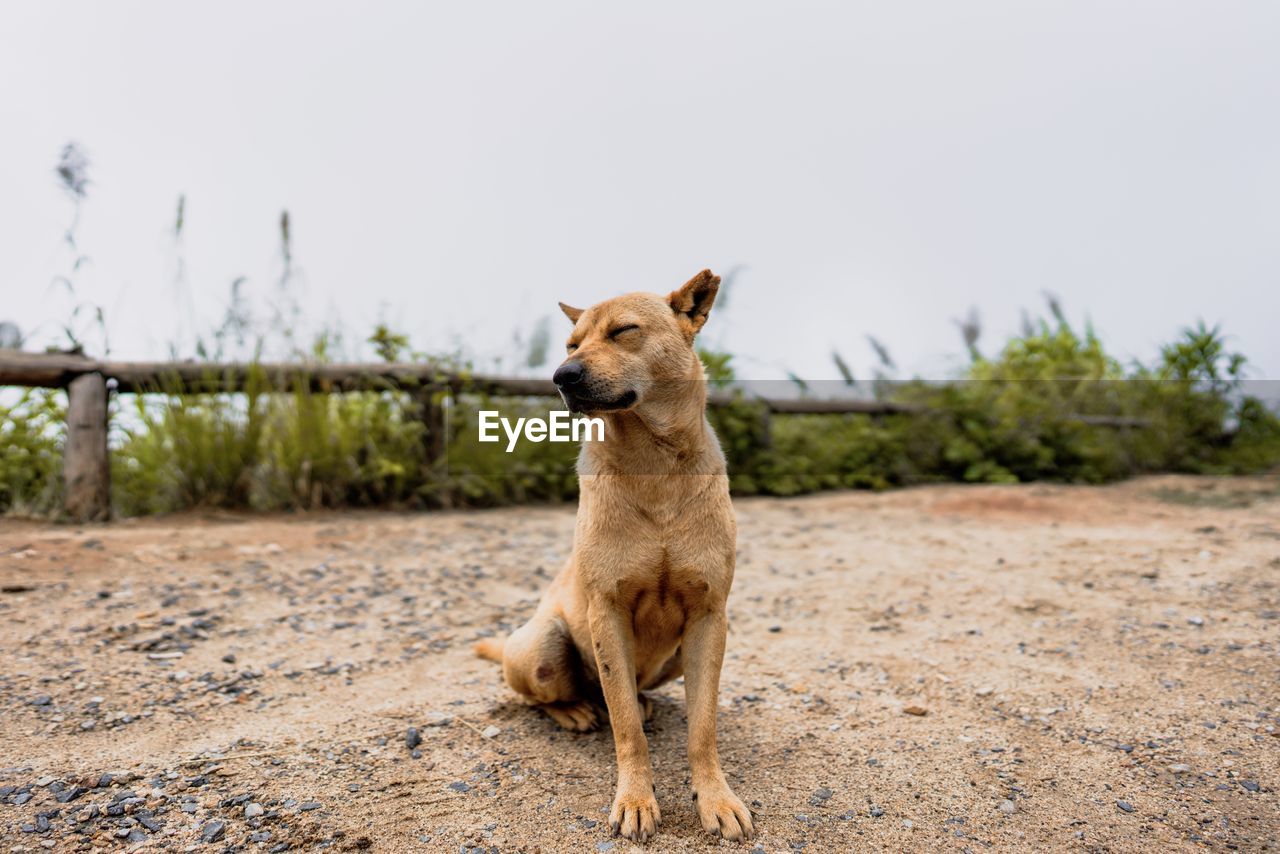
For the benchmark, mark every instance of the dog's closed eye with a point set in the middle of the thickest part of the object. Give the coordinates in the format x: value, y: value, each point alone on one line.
x: 630, y: 327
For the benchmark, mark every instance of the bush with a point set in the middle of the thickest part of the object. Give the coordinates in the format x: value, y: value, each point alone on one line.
x: 31, y: 435
x: 300, y: 450
x: 1016, y: 418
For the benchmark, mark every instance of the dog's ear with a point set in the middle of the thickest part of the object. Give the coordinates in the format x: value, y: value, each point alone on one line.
x: 572, y: 313
x: 692, y: 302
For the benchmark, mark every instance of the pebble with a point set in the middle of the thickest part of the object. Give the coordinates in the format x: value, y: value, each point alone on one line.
x: 1250, y: 785
x: 438, y: 719
x: 253, y: 810
x: 1180, y: 768
x: 985, y: 691
x: 412, y: 738
x: 876, y: 811
x: 820, y: 797
x: 1125, y: 806
x: 918, y: 711
x: 1008, y: 807
x: 1196, y: 621
x: 212, y: 831
x: 66, y: 796
x: 491, y: 732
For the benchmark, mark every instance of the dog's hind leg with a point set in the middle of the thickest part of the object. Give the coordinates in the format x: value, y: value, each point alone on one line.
x: 575, y: 716
x: 540, y: 662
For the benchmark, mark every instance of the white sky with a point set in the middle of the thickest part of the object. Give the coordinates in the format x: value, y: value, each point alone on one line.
x: 457, y: 168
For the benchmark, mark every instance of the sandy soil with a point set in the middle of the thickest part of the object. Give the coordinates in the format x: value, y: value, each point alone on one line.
x: 950, y: 668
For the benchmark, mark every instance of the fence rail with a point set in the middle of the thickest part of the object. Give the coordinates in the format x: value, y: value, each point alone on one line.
x: 89, y: 383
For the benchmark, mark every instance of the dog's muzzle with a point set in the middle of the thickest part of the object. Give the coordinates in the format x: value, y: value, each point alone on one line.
x: 579, y: 395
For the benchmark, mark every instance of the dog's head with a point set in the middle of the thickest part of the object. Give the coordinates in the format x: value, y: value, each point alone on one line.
x: 622, y: 349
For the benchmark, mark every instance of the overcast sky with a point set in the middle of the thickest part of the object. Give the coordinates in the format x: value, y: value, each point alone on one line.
x: 454, y: 169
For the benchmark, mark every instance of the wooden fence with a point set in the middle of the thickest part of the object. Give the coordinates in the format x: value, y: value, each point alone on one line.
x: 89, y: 382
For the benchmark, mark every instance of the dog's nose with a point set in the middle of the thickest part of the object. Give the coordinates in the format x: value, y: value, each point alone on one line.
x: 570, y: 373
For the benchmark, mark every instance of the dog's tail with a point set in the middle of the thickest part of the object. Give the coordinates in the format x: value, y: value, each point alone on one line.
x: 490, y: 648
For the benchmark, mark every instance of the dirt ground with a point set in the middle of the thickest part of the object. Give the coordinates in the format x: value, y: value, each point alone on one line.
x: 943, y: 668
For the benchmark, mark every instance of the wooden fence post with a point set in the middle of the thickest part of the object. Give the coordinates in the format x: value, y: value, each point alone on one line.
x: 86, y: 469
x: 432, y: 409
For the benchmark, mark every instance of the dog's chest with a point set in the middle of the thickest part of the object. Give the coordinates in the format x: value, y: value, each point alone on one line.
x: 662, y: 600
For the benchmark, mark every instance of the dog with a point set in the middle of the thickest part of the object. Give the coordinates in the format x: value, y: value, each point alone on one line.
x: 642, y: 598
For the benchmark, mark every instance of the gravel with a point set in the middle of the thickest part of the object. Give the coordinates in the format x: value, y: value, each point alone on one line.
x: 307, y: 713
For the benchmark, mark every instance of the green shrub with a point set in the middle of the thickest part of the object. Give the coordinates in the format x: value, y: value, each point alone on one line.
x: 357, y: 449
x: 485, y: 475
x: 1015, y: 418
x: 298, y: 450
x: 31, y: 435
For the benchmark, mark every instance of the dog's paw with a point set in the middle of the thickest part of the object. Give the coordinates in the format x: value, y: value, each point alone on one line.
x: 723, y: 813
x: 575, y: 717
x: 635, y: 815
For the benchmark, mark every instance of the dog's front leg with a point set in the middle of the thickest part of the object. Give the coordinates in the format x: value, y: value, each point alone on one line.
x: 703, y: 649
x: 635, y: 809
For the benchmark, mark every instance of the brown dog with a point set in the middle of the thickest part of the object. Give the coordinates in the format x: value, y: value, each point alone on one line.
x: 642, y: 599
